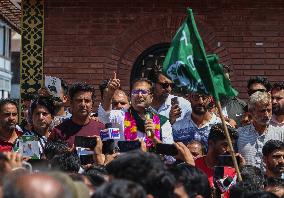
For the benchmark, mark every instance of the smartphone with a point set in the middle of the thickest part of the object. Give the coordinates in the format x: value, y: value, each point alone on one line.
x: 166, y: 149
x: 108, y: 146
x: 226, y: 160
x: 174, y: 101
x: 125, y: 146
x: 86, y: 159
x: 85, y: 142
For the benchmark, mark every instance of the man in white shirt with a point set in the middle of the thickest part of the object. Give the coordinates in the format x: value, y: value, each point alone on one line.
x: 141, y: 98
x: 162, y: 97
x: 253, y: 137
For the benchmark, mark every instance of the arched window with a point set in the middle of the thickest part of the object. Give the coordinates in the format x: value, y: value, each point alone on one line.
x: 152, y: 57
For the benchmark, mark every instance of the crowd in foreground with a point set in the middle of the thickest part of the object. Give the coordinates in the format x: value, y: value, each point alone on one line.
x: 149, y: 143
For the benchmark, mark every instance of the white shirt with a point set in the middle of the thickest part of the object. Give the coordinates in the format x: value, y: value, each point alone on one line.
x: 116, y: 117
x: 165, y: 108
x: 275, y: 123
x: 250, y: 143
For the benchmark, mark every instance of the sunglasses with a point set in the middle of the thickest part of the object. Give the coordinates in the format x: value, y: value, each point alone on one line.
x: 251, y: 91
x: 197, y: 96
x: 166, y: 85
x: 138, y: 91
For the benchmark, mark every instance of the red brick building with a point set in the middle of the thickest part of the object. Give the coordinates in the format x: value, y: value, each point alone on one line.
x: 86, y: 40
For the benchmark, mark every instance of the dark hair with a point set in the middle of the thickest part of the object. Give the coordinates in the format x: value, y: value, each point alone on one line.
x: 120, y: 189
x: 28, y: 96
x: 261, y: 194
x: 278, y: 86
x: 203, y: 149
x: 261, y: 80
x: 146, y: 169
x: 66, y: 162
x: 154, y: 75
x: 141, y: 80
x: 254, y: 176
x: 43, y: 101
x: 272, y: 145
x: 55, y: 147
x: 6, y: 101
x: 217, y: 133
x: 102, y: 87
x: 273, y: 181
x: 195, y: 182
x: 64, y: 86
x: 96, y: 175
x: 77, y: 87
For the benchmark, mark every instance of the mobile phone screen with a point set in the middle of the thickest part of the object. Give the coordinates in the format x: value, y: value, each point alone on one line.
x: 125, y: 146
x: 108, y: 146
x: 166, y: 149
x: 85, y: 142
x: 174, y: 101
x: 86, y: 159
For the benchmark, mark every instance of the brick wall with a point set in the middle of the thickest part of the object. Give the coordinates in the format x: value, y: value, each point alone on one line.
x: 88, y: 39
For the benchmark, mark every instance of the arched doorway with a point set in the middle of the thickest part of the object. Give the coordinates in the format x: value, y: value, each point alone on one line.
x: 152, y: 57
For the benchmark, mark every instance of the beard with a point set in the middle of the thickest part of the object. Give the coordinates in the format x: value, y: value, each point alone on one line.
x: 277, y: 169
x: 10, y: 126
x: 199, y: 109
x: 277, y: 109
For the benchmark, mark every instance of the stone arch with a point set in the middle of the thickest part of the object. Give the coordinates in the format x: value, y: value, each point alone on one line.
x: 152, y: 30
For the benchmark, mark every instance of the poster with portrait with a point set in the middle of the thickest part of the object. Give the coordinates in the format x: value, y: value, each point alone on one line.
x: 29, y: 146
x: 53, y: 85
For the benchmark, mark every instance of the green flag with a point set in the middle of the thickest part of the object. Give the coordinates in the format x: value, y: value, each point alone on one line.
x: 188, y: 66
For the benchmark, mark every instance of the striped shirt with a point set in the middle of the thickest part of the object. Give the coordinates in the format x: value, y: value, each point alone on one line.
x: 250, y: 143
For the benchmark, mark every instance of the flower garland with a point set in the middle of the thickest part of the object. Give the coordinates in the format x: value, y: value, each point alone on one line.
x: 130, y: 128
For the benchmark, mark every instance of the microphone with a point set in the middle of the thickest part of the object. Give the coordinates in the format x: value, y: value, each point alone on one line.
x: 149, y: 110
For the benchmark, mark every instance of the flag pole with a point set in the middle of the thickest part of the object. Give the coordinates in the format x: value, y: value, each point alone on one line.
x: 232, y: 152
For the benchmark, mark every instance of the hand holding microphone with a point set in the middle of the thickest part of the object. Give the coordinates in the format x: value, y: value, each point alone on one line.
x: 149, y: 125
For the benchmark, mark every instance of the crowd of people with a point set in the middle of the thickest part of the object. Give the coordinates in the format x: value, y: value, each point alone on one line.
x: 148, y: 143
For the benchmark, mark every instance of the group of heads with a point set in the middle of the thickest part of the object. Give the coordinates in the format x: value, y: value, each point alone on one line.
x: 264, y: 100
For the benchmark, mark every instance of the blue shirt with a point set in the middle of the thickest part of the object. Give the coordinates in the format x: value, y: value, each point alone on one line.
x: 186, y: 130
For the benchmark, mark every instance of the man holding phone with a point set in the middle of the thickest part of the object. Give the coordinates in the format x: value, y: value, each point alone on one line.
x: 166, y: 104
x: 217, y: 145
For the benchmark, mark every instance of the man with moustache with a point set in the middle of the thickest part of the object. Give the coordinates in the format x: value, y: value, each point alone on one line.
x: 162, y: 98
x: 196, y: 125
x: 80, y: 124
x: 42, y: 112
x: 253, y: 137
x: 8, y: 124
x: 273, y: 158
x: 133, y: 123
x: 277, y: 96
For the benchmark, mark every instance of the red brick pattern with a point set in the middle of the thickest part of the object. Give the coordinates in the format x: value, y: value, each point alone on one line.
x: 86, y: 40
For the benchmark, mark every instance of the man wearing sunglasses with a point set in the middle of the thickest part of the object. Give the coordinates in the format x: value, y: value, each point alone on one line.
x: 277, y: 96
x: 258, y: 83
x: 134, y: 123
x: 196, y: 125
x: 162, y: 98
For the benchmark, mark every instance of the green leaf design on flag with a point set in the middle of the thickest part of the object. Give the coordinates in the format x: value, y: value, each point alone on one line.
x: 188, y: 66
